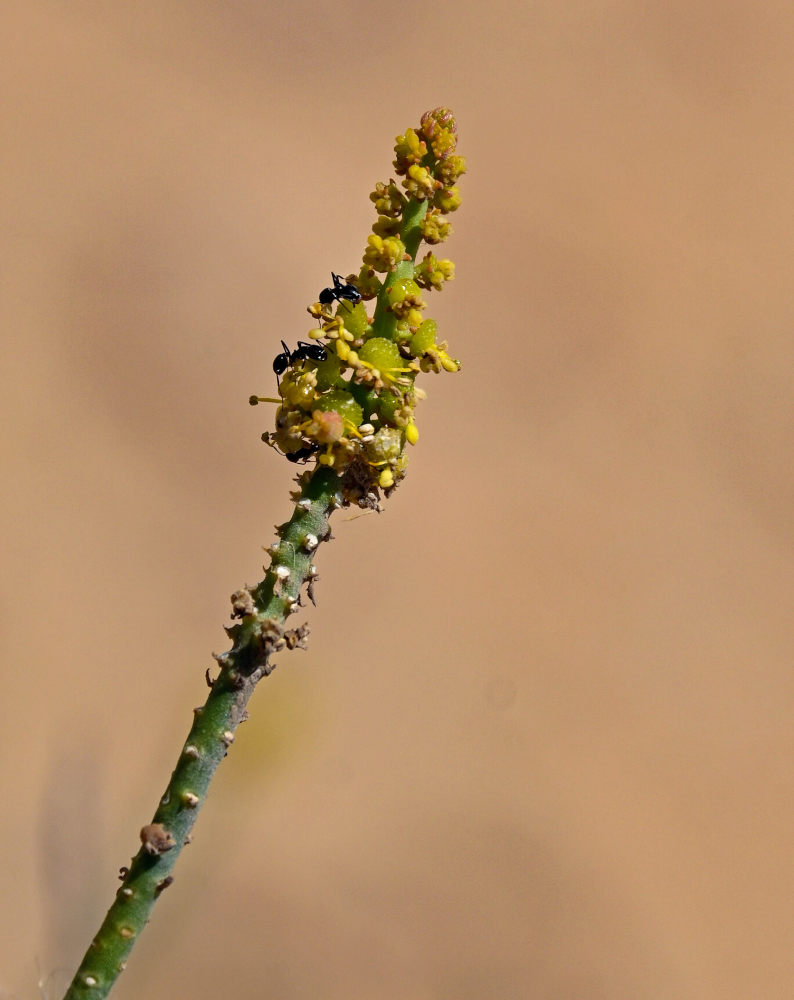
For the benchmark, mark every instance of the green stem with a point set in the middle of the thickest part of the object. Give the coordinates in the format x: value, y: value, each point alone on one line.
x: 384, y: 322
x: 256, y: 636
x: 410, y: 232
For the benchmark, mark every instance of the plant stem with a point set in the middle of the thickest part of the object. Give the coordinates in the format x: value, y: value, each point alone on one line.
x: 384, y: 322
x: 257, y: 635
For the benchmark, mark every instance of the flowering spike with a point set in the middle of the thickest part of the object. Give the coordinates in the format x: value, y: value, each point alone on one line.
x: 353, y: 412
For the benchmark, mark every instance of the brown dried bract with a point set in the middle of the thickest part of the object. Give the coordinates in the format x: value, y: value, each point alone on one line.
x: 270, y: 634
x: 156, y: 839
x: 296, y: 638
x: 163, y: 885
x: 242, y: 603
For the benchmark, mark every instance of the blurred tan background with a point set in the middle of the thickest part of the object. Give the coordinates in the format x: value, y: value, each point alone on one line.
x: 541, y: 744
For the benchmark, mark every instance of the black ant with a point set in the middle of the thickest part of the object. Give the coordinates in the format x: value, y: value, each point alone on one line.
x: 299, y: 455
x: 341, y: 290
x: 302, y: 454
x: 303, y: 352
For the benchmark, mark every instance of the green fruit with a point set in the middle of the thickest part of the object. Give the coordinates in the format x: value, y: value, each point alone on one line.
x: 328, y: 372
x: 381, y: 354
x: 424, y: 338
x: 401, y: 288
x: 354, y: 316
x: 402, y: 332
x: 343, y: 403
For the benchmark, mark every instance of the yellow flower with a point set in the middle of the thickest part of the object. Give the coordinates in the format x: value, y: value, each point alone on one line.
x: 434, y: 228
x: 419, y: 182
x: 447, y: 199
x: 432, y: 273
x: 408, y: 149
x: 388, y: 199
x: 382, y: 254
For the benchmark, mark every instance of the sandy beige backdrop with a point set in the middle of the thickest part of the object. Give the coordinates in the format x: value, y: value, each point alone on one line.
x: 541, y: 745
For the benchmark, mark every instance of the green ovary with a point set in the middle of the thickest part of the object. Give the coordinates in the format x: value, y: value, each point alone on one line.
x: 424, y: 338
x: 354, y: 317
x: 381, y: 353
x: 400, y: 289
x: 343, y: 403
x: 328, y: 372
